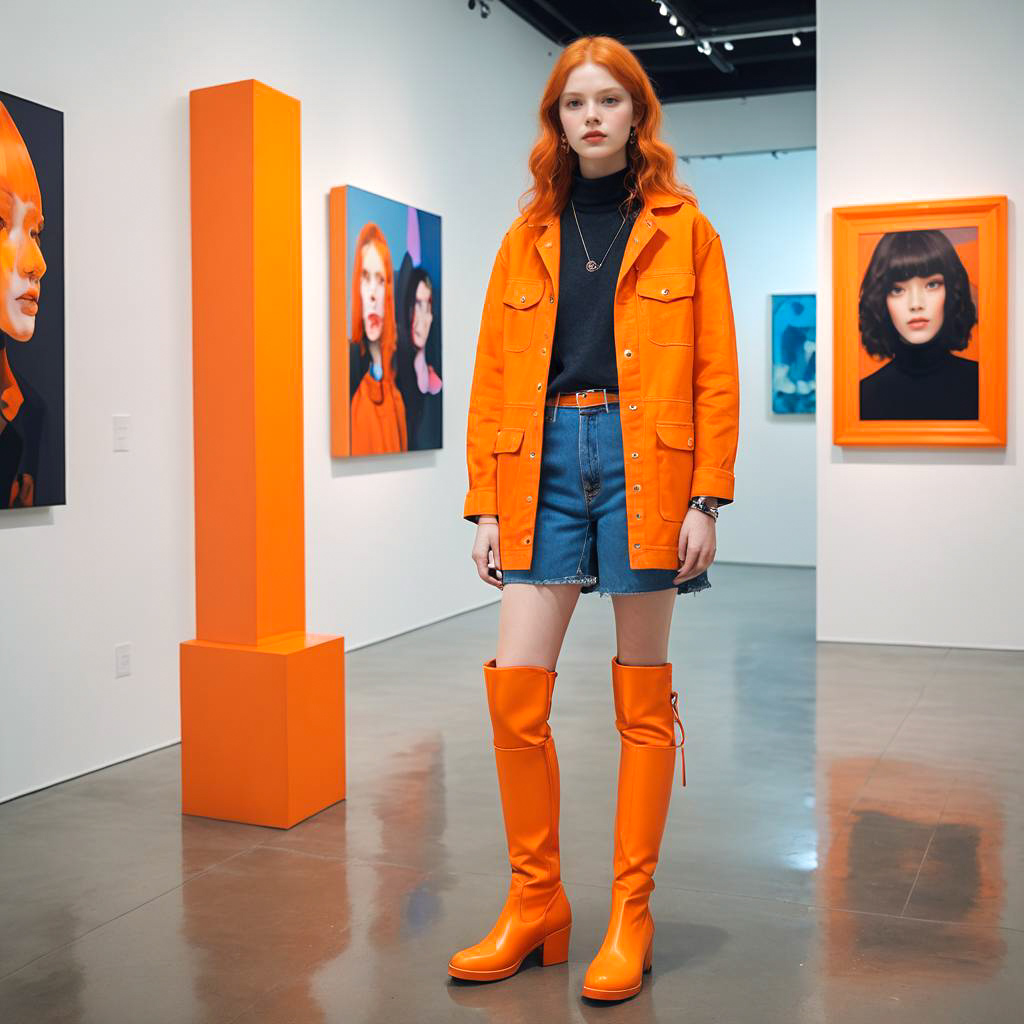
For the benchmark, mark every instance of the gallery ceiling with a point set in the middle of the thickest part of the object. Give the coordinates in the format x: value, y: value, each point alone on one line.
x: 730, y: 47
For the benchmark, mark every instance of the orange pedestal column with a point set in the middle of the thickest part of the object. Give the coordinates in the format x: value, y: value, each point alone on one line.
x: 262, y: 701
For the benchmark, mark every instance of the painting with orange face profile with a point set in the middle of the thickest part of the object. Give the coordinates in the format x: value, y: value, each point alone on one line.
x: 386, y: 377
x: 31, y: 304
x: 920, y: 323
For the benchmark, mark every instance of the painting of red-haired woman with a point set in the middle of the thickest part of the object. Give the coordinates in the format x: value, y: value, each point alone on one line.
x: 31, y: 315
x: 377, y: 410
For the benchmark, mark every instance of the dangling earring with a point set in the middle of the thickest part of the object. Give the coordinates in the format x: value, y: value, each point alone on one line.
x: 632, y: 134
x: 563, y: 143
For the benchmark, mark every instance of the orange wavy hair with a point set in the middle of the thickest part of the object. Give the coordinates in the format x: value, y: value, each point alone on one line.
x: 372, y: 233
x: 651, y: 162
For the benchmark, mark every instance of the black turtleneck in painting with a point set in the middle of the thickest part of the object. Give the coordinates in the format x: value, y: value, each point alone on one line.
x: 583, y: 349
x: 924, y: 381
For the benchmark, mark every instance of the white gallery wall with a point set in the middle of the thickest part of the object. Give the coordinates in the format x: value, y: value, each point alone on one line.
x: 426, y: 103
x: 763, y: 207
x: 920, y: 100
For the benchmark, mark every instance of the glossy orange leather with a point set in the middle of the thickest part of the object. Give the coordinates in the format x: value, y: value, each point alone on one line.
x: 645, y: 718
x: 678, y: 382
x: 536, y: 912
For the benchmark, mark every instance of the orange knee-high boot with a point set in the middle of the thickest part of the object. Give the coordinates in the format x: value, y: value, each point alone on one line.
x: 645, y: 715
x: 536, y: 912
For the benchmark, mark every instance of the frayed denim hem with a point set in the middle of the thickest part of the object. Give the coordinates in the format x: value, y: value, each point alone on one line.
x: 587, y: 581
x: 691, y: 586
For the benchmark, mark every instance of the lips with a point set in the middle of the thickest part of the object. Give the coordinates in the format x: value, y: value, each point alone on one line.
x: 594, y: 135
x: 917, y: 323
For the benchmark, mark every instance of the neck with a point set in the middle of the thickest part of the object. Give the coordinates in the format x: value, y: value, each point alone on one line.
x: 601, y: 194
x: 590, y: 168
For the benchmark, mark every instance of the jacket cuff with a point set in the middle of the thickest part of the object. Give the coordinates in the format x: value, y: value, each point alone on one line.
x: 480, y: 502
x: 717, y: 482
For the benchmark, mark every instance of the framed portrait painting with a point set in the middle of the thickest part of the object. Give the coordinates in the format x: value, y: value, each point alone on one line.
x: 32, y: 442
x: 794, y: 333
x: 919, y: 319
x: 385, y: 296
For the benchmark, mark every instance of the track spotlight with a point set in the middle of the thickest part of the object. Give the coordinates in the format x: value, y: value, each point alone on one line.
x: 728, y: 46
x: 680, y: 31
x: 796, y: 40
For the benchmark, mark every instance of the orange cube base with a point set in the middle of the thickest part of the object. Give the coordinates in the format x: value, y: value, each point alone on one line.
x: 263, y: 728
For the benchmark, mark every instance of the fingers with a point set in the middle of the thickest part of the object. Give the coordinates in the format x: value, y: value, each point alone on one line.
x: 482, y: 550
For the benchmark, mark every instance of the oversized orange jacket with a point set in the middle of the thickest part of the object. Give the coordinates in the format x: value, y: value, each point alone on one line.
x: 675, y: 352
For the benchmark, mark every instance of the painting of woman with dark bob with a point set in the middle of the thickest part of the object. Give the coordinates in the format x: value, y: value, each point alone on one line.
x: 916, y: 311
x: 419, y: 356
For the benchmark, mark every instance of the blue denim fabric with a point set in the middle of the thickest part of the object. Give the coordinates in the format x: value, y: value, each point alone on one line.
x: 580, y: 531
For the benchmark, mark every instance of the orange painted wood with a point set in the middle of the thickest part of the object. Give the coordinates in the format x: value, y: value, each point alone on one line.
x: 263, y: 729
x: 262, y: 703
x: 988, y: 214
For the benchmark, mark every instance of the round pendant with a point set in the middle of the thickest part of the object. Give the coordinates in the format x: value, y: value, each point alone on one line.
x: 592, y: 266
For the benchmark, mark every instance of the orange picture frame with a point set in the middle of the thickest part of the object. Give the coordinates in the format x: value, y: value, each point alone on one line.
x: 976, y: 230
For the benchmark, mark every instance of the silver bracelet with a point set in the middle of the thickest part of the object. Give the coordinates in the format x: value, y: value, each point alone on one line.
x: 701, y: 506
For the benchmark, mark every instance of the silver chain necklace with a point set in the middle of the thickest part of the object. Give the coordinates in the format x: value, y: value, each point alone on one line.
x: 591, y: 265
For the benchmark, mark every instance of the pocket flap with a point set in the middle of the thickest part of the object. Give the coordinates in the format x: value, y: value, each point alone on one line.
x: 675, y: 435
x: 666, y: 286
x: 523, y: 292
x: 508, y: 439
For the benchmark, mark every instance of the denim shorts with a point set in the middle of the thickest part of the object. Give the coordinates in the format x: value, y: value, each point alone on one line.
x: 580, y: 530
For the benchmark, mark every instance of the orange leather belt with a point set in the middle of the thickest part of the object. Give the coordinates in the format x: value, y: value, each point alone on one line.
x: 580, y: 399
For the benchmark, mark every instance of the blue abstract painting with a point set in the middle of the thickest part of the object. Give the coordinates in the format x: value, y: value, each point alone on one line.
x: 793, y: 347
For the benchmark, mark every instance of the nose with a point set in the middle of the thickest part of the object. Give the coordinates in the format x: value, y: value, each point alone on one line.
x: 916, y: 296
x: 30, y: 259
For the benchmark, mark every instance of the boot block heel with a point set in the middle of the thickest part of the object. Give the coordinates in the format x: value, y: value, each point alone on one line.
x: 649, y: 958
x: 556, y: 947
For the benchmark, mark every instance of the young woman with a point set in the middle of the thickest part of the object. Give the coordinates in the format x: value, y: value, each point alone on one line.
x: 605, y: 393
x: 916, y: 310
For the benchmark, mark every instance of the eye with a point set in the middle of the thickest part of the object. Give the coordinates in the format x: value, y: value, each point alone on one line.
x: 896, y: 289
x: 614, y: 99
x: 937, y: 283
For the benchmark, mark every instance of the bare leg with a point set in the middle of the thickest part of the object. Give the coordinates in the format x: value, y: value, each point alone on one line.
x: 534, y: 618
x: 642, y: 623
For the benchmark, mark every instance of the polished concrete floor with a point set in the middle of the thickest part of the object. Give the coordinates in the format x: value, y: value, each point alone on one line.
x: 843, y: 850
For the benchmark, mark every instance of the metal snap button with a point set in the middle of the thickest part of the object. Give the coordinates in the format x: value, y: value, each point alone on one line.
x: 632, y: 405
x: 539, y: 385
x: 551, y: 298
x: 526, y: 540
x: 529, y: 498
x: 547, y: 245
x: 664, y: 291
x: 636, y: 545
x: 636, y: 487
x: 689, y: 442
x: 635, y: 455
x: 533, y: 455
x: 522, y: 298
x: 544, y: 350
x: 639, y: 515
x: 628, y: 353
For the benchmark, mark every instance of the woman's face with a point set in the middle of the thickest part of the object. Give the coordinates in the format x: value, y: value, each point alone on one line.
x: 422, y: 315
x: 596, y: 114
x: 21, y: 262
x: 373, y: 291
x: 917, y: 306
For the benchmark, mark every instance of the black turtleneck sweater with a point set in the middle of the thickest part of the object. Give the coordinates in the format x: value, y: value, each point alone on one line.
x: 921, y: 382
x: 583, y: 350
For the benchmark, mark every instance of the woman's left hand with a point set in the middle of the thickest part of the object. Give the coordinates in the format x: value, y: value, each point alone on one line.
x: 696, y: 545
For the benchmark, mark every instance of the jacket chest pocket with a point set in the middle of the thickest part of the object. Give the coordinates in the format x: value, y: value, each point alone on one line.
x: 507, y: 443
x: 675, y: 469
x: 521, y: 297
x: 666, y: 306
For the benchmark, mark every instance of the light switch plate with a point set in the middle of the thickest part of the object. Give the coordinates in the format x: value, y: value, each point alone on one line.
x: 121, y: 433
x: 122, y: 660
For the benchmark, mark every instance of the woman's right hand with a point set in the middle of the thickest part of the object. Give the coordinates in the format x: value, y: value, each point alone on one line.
x: 486, y: 542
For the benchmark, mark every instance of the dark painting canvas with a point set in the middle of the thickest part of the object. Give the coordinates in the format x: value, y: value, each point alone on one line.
x: 31, y: 304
